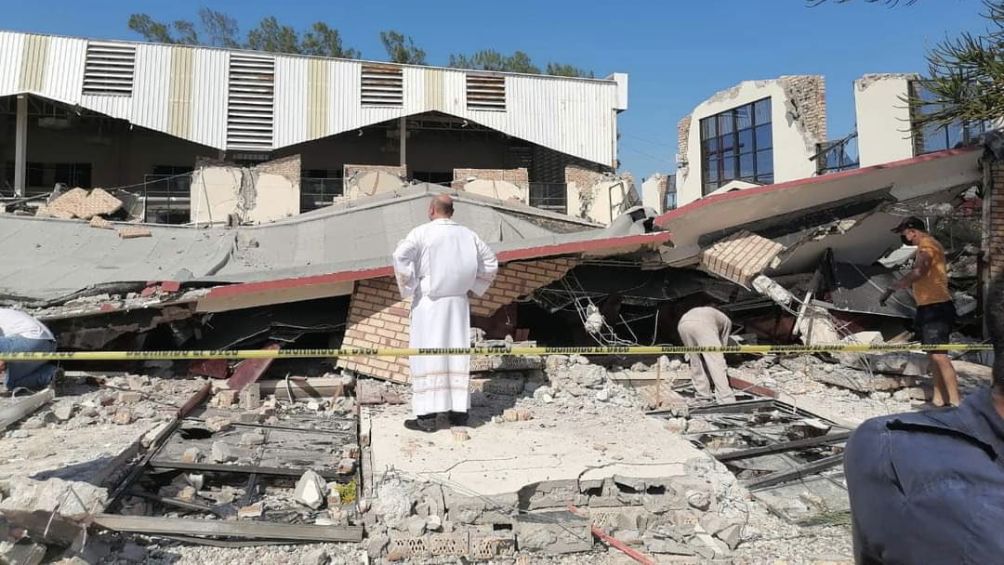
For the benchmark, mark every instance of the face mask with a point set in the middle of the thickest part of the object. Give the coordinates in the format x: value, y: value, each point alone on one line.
x: 905, y: 240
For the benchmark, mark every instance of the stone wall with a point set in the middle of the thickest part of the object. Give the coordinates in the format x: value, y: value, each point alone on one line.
x: 682, y: 139
x: 379, y: 318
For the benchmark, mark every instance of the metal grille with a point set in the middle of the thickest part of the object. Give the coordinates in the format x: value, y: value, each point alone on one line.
x: 551, y: 196
x: 251, y: 96
x: 485, y: 92
x: 382, y: 85
x: 108, y: 69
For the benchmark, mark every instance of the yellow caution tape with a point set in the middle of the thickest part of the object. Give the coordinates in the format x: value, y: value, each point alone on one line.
x: 493, y: 351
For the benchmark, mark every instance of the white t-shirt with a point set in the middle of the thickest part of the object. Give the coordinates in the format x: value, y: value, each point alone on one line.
x: 17, y: 323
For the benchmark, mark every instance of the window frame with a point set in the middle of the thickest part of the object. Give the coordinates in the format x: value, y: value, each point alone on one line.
x: 732, y: 143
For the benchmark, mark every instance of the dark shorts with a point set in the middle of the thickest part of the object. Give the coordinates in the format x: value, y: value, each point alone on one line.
x: 934, y: 323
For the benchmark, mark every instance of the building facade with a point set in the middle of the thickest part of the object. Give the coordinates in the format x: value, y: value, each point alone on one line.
x: 774, y: 131
x: 121, y: 114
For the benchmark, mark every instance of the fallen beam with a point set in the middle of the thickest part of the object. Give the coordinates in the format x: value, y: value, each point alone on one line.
x: 24, y: 407
x: 306, y: 388
x: 778, y: 477
x: 150, y: 525
x: 244, y: 469
x: 250, y: 370
x: 780, y: 447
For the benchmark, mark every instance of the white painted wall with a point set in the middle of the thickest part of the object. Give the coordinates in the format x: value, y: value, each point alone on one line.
x: 883, y: 118
x: 607, y: 200
x: 215, y: 194
x: 792, y: 146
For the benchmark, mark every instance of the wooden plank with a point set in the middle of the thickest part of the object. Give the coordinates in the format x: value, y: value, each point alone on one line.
x: 256, y: 530
x: 24, y: 407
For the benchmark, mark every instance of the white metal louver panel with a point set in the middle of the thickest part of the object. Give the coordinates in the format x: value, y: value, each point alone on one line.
x: 109, y: 69
x: 485, y: 92
x: 382, y: 85
x: 250, y: 102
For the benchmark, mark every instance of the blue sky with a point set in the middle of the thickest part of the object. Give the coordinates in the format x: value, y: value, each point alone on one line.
x: 677, y: 52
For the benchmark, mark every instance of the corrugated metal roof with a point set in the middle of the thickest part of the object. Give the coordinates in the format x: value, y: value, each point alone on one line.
x: 314, y: 97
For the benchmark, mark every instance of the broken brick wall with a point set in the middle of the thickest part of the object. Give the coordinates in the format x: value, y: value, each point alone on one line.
x: 399, y: 170
x: 995, y: 237
x: 378, y: 318
x: 682, y: 139
x: 807, y: 94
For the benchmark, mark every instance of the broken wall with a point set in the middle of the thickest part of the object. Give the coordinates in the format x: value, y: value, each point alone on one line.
x: 263, y: 193
x: 995, y: 237
x: 653, y: 192
x: 501, y: 184
x: 604, y: 201
x: 883, y: 118
x: 379, y: 318
x: 798, y: 124
x: 367, y: 180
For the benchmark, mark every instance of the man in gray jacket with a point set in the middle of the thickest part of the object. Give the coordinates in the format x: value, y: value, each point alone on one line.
x: 707, y: 327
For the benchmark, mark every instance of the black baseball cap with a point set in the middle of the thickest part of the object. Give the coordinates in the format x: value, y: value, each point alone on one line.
x: 911, y: 223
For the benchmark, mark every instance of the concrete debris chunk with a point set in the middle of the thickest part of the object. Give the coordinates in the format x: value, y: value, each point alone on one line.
x: 553, y: 532
x: 132, y: 232
x: 460, y: 435
x: 414, y: 525
x: 187, y: 494
x: 731, y: 535
x: 122, y: 417
x: 699, y: 499
x: 253, y: 438
x: 318, y: 556
x: 64, y: 410
x: 668, y: 547
x: 129, y: 397
x: 218, y: 424
x: 191, y: 455
x: 310, y: 490
x: 29, y: 495
x: 101, y: 223
x: 250, y: 397
x: 346, y: 466
x: 253, y: 511
x: 224, y: 398
x: 223, y: 453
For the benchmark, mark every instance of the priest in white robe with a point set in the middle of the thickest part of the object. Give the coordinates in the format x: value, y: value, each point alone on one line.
x: 438, y: 265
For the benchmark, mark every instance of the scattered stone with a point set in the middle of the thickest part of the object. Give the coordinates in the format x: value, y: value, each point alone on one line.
x: 248, y: 418
x: 698, y: 499
x: 18, y: 434
x: 187, y: 494
x: 224, y: 398
x: 252, y: 438
x: 603, y: 395
x: 731, y: 535
x: 433, y: 523
x: 460, y: 435
x: 314, y: 406
x: 250, y: 397
x: 414, y: 525
x: 139, y: 382
x: 334, y: 496
x: 589, y: 376
x: 351, y: 451
x: 122, y: 417
x: 191, y: 455
x: 376, y: 545
x: 223, y: 453
x: 218, y: 424
x: 101, y: 223
x: 310, y: 489
x: 253, y: 511
x: 318, y: 556
x: 676, y: 425
x: 346, y: 466
x: 64, y: 410
x: 129, y: 397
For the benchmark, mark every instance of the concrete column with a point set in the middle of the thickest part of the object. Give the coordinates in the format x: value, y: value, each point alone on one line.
x: 21, y: 146
x: 403, y: 130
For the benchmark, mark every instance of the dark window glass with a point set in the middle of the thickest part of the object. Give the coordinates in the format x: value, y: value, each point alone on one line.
x: 737, y: 144
x: 931, y: 137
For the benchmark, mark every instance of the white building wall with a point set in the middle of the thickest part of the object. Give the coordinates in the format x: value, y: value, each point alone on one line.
x: 883, y: 118
x: 793, y: 144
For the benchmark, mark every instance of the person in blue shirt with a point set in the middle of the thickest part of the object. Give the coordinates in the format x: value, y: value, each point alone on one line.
x: 928, y: 487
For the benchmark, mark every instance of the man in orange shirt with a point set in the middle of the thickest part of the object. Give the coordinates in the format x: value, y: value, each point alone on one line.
x: 935, y: 309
